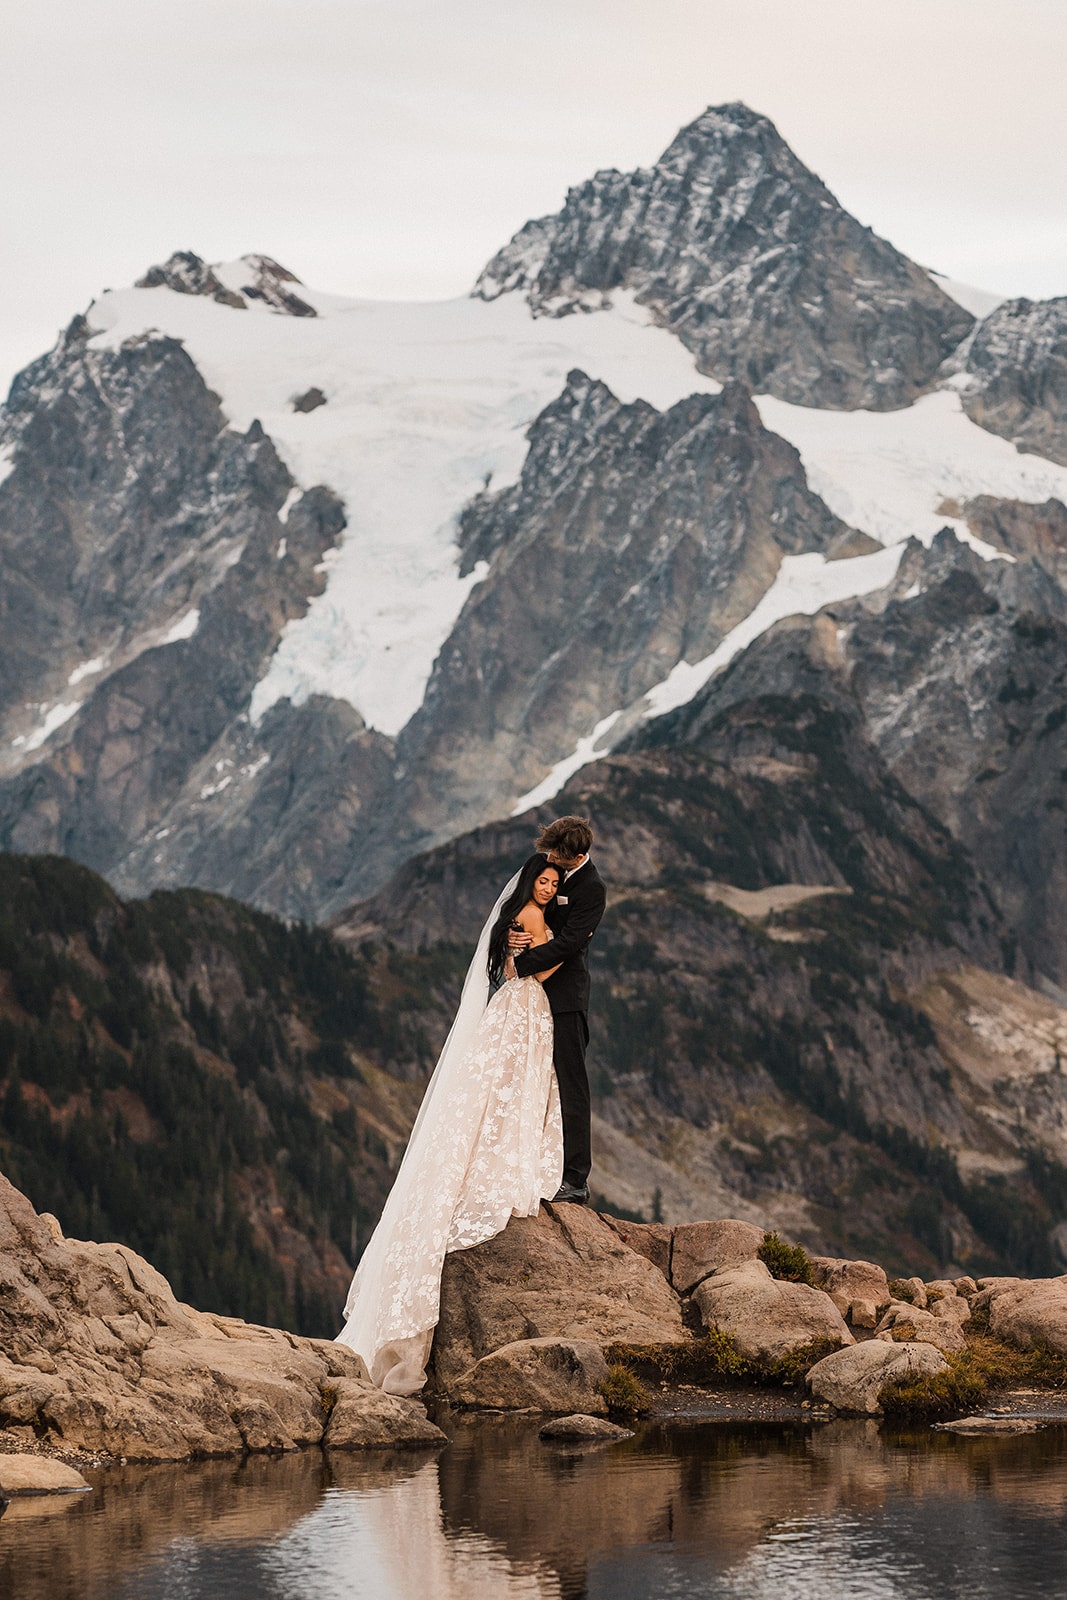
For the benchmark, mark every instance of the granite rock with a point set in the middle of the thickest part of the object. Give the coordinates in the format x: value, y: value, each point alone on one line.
x: 99, y: 1355
x: 563, y: 1275
x: 536, y: 1375
x: 852, y: 1380
x: 766, y: 1317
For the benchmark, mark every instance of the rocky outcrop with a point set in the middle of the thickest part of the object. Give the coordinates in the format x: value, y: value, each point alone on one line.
x: 902, y: 1323
x: 956, y: 675
x: 853, y: 1380
x: 253, y: 279
x: 98, y: 1355
x: 187, y: 273
x: 768, y: 1319
x: 645, y: 537
x: 859, y: 1289
x: 545, y: 1290
x: 1016, y: 371
x: 739, y: 249
x: 1028, y: 1314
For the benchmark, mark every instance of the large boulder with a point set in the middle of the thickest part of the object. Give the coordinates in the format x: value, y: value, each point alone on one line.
x: 766, y: 1317
x: 583, y: 1427
x: 1027, y: 1312
x: 99, y: 1354
x: 701, y: 1248
x: 853, y: 1380
x: 363, y: 1417
x: 537, y: 1375
x: 27, y: 1474
x: 563, y: 1274
x: 859, y: 1289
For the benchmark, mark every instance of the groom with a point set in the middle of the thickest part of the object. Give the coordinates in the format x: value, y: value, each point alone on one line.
x: 573, y: 917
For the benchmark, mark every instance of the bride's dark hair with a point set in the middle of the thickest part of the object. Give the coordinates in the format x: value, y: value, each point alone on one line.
x: 519, y: 896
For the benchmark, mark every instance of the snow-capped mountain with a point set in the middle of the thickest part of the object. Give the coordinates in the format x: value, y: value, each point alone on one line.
x: 741, y: 251
x: 294, y: 585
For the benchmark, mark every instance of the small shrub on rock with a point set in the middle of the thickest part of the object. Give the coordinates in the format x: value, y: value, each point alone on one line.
x: 900, y: 1289
x: 790, y: 1262
x: 625, y: 1395
x: 985, y: 1366
x: 792, y: 1369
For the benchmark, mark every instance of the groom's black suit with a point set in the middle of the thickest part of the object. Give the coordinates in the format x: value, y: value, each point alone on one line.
x: 573, y: 917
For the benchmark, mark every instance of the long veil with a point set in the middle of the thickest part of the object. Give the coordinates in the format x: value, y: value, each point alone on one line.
x: 398, y: 1364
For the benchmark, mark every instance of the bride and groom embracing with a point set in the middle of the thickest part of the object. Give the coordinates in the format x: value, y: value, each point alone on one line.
x: 504, y: 1122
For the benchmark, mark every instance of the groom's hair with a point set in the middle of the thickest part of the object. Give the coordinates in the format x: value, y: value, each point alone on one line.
x: 567, y: 836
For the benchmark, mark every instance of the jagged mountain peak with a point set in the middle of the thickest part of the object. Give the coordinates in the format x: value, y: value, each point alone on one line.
x: 254, y: 277
x: 744, y: 253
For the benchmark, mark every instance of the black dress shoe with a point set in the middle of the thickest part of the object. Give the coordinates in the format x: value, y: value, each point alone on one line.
x: 577, y: 1195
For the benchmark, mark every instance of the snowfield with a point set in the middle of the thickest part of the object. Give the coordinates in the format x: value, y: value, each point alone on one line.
x: 427, y: 402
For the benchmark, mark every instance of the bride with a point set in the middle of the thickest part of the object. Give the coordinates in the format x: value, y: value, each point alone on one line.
x: 487, y: 1145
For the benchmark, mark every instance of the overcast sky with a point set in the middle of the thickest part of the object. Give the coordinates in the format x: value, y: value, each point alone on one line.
x: 388, y: 147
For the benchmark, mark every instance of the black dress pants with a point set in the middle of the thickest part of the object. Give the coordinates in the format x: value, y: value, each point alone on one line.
x: 571, y: 1038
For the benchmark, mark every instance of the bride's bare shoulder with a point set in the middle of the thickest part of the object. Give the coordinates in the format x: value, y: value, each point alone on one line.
x: 532, y: 919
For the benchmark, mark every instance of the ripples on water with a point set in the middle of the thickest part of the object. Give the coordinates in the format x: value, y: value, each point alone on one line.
x: 725, y: 1512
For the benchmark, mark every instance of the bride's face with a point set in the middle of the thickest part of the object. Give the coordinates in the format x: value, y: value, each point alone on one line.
x: 545, y: 885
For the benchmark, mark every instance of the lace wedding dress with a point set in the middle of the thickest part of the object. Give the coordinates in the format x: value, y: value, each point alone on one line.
x: 487, y: 1145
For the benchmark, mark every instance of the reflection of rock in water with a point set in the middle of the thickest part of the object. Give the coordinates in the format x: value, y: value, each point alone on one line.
x: 382, y: 1527
x: 502, y: 1515
x: 135, y: 1513
x: 715, y: 1490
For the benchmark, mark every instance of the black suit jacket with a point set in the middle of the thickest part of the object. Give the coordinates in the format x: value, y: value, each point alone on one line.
x: 573, y: 924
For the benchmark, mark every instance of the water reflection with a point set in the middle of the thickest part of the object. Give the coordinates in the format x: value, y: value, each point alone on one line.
x: 712, y: 1510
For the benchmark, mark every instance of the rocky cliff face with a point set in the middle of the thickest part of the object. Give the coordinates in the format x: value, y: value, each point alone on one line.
x: 1017, y: 371
x: 633, y: 540
x: 152, y: 558
x: 958, y: 673
x: 741, y: 250
x: 254, y: 278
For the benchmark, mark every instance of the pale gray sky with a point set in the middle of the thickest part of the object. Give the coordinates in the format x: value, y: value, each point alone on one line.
x: 388, y: 147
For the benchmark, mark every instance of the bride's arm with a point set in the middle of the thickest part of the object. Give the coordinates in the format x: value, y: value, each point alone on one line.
x: 540, y: 933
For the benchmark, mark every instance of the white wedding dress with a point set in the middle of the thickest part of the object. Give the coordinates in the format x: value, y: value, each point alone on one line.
x: 487, y: 1145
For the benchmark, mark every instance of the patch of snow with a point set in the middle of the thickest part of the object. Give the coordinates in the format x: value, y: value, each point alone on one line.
x: 87, y: 670
x: 988, y: 552
x: 803, y: 585
x: 7, y: 461
x: 55, y: 718
x: 255, y: 766
x: 887, y: 472
x: 427, y: 399
x: 585, y: 750
x: 184, y: 628
x: 290, y: 501
x: 283, y: 545
x: 979, y: 302
x: 210, y: 789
